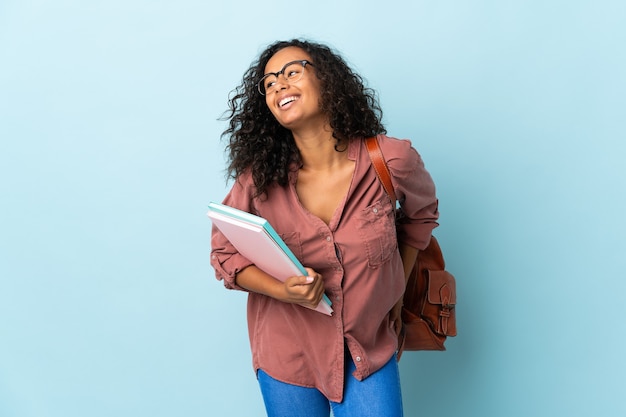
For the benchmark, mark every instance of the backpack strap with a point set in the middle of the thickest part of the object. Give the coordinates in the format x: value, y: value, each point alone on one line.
x: 380, y: 166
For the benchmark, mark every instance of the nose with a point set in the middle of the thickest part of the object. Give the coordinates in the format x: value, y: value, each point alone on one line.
x: 281, y: 82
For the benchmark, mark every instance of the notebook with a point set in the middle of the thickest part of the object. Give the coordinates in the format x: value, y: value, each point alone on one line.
x: 255, y: 238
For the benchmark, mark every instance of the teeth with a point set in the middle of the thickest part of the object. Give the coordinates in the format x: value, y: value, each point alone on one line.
x: 286, y: 100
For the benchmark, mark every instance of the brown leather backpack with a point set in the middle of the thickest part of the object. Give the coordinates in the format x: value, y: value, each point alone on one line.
x: 428, y: 314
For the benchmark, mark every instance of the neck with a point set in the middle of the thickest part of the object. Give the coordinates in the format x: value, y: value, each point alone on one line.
x: 318, y: 151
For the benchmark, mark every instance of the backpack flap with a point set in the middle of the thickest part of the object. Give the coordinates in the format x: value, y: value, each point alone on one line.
x: 441, y: 302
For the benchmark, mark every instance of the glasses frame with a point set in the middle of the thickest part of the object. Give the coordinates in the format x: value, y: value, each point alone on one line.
x: 303, y: 62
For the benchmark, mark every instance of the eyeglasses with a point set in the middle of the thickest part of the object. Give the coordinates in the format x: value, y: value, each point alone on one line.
x: 292, y: 72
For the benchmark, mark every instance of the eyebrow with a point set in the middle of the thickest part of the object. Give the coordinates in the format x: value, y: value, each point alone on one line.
x: 285, y: 64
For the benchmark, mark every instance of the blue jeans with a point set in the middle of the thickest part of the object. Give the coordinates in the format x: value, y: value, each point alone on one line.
x: 378, y: 395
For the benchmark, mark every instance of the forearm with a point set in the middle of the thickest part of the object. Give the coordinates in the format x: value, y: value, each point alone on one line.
x: 305, y: 290
x: 409, y: 256
x: 255, y: 280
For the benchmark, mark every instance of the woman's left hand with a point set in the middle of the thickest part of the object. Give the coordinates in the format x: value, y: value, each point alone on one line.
x: 395, y: 316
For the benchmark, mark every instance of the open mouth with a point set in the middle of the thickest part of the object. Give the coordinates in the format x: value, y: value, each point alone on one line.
x: 287, y: 100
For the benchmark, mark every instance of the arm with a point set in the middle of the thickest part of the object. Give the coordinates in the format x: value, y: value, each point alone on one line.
x: 414, y: 188
x: 307, y: 291
x: 409, y: 256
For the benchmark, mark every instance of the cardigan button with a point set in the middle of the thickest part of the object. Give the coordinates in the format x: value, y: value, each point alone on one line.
x: 358, y: 359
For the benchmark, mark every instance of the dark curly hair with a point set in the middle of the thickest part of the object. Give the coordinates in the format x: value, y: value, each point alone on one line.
x: 257, y: 142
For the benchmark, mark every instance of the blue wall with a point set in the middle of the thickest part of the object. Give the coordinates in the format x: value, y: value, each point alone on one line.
x: 110, y: 152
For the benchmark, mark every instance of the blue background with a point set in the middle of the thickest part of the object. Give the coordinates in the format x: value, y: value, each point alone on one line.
x: 110, y: 151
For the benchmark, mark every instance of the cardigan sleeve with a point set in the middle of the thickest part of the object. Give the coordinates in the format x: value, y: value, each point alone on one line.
x: 415, y: 191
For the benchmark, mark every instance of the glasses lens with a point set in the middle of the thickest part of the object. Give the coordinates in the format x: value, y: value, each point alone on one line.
x: 266, y: 83
x: 292, y: 72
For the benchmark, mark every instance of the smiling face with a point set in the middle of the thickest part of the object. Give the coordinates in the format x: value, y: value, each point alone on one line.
x: 295, y: 105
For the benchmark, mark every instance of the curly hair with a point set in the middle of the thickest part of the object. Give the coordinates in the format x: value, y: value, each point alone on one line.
x: 257, y: 142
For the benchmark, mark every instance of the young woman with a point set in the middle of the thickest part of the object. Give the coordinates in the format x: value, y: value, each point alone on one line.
x: 296, y: 134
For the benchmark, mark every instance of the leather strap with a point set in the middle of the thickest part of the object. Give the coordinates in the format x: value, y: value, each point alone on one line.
x: 444, y: 314
x: 380, y: 166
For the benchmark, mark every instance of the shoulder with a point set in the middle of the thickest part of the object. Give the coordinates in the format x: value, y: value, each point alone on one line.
x: 402, y: 158
x: 241, y: 193
x: 244, y: 183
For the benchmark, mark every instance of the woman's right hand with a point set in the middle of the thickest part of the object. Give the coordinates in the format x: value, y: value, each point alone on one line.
x: 305, y: 290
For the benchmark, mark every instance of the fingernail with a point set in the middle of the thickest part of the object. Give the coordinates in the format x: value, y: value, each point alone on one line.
x: 309, y: 279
